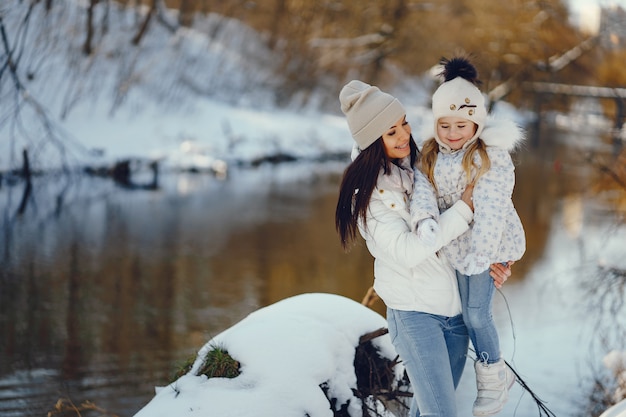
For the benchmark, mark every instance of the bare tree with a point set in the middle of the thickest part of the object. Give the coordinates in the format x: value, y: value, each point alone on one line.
x: 395, y: 17
x: 23, y: 101
x: 280, y: 13
x: 185, y: 12
x: 87, y: 46
x: 144, y: 24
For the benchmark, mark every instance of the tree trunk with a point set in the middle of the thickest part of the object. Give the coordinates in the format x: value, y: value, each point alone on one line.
x: 185, y: 12
x: 26, y: 173
x: 104, y: 24
x: 144, y: 25
x: 87, y: 47
x: 279, y: 13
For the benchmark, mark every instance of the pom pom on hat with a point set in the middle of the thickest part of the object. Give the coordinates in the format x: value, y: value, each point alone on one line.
x: 369, y: 111
x: 459, y: 95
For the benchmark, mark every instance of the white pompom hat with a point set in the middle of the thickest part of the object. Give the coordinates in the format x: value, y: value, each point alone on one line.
x: 459, y: 98
x: 369, y: 111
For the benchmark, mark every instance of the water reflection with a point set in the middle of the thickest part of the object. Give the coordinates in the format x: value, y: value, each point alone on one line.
x: 104, y: 291
x: 107, y: 296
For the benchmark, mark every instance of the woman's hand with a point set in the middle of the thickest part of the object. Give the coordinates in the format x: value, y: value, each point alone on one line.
x: 500, y: 272
x: 467, y: 196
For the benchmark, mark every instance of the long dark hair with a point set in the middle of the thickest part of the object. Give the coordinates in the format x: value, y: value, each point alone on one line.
x: 357, y: 185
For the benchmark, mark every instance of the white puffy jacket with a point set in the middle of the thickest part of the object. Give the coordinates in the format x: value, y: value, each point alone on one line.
x: 497, y: 234
x: 407, y: 274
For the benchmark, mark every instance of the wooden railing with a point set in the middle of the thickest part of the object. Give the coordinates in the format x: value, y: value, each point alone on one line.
x: 617, y: 94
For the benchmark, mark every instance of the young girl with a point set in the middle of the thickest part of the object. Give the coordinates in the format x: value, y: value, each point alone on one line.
x: 468, y: 149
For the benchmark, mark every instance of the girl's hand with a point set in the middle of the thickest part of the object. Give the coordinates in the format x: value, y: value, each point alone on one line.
x: 500, y: 272
x: 467, y: 196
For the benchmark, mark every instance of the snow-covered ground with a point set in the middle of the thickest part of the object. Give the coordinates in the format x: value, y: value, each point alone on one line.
x: 287, y: 350
x: 184, y: 98
x: 191, y: 99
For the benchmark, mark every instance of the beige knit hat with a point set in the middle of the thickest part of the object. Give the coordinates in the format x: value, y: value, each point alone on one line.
x: 369, y: 111
x: 459, y: 97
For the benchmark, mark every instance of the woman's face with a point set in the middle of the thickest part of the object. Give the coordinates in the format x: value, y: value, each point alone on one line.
x: 455, y: 131
x: 396, y: 139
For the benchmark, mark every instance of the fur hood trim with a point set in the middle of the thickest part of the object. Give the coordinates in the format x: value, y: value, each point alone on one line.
x: 502, y: 133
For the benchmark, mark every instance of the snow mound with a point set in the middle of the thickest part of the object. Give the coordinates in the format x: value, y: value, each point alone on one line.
x: 286, y: 350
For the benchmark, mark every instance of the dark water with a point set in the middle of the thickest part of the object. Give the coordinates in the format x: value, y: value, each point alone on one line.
x: 105, y: 291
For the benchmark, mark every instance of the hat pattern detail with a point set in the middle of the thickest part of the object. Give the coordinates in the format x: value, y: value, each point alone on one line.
x: 459, y: 96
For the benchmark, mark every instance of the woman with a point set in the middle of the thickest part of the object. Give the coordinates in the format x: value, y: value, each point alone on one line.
x: 418, y: 287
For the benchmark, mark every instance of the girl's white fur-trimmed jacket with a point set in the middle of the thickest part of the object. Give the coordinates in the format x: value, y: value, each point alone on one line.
x: 497, y: 234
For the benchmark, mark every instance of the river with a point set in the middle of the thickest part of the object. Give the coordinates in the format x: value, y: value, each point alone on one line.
x: 105, y: 291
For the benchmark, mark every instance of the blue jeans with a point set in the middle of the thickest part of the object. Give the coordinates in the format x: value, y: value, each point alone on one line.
x: 476, y: 298
x: 433, y: 350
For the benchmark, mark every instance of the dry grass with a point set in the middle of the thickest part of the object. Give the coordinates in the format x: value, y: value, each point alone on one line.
x: 65, y: 408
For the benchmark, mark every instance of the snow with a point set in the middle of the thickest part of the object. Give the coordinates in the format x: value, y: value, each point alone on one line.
x: 185, y: 99
x: 586, y: 13
x: 201, y: 101
x: 618, y: 410
x: 202, y: 98
x: 286, y: 351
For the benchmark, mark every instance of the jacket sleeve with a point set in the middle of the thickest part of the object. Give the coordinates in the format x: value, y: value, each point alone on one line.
x: 492, y: 201
x: 389, y: 236
x: 423, y: 202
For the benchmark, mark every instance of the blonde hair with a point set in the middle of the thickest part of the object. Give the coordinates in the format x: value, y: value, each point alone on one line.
x: 429, y: 158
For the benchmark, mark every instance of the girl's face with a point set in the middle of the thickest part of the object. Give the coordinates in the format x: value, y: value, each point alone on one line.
x: 396, y: 139
x: 455, y: 131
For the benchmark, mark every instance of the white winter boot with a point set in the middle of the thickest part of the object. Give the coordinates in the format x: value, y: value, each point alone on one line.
x: 493, y: 382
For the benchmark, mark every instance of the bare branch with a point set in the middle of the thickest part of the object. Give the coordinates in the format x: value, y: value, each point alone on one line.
x: 144, y: 25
